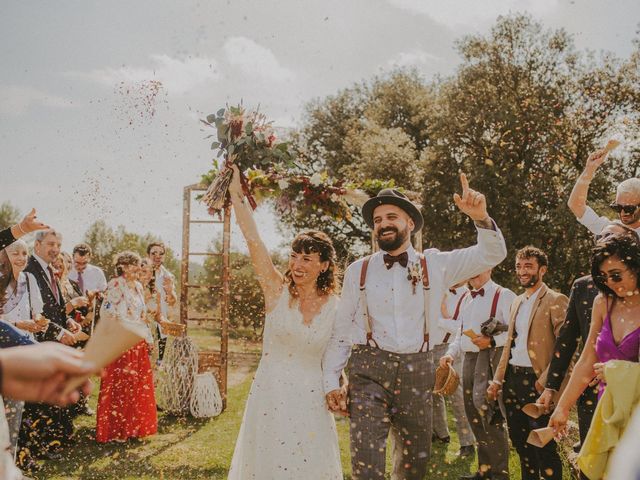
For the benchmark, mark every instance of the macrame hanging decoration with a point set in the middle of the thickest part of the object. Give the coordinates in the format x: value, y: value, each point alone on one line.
x: 206, y: 400
x: 176, y: 375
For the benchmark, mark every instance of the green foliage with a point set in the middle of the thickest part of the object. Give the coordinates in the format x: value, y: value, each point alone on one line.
x: 9, y: 215
x: 366, y: 132
x: 107, y: 242
x: 519, y: 116
x: 247, y: 300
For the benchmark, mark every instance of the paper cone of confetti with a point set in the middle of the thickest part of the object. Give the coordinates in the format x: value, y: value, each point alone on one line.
x: 110, y: 339
x: 612, y: 145
x: 540, y: 437
x: 534, y: 410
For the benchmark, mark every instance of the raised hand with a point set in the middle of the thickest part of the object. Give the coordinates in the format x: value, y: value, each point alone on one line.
x: 596, y: 159
x: 30, y: 223
x: 235, y: 187
x: 471, y: 203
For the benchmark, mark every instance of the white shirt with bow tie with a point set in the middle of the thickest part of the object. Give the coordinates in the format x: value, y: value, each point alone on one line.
x: 475, y: 311
x: 396, y: 311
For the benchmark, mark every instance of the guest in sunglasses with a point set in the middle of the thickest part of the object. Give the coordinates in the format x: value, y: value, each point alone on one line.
x: 574, y: 332
x: 626, y: 205
x: 615, y: 324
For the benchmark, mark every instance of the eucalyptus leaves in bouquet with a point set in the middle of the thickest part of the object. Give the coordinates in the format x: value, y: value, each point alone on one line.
x: 246, y: 139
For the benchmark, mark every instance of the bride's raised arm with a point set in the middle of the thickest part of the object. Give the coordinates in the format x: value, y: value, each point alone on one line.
x: 270, y: 279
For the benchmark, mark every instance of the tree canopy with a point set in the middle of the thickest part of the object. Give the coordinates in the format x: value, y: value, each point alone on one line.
x: 520, y: 116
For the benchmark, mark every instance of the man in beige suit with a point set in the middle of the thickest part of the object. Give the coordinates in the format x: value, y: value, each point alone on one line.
x: 535, y: 321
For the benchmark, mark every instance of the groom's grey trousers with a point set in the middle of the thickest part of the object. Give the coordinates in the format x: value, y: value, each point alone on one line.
x: 390, y: 391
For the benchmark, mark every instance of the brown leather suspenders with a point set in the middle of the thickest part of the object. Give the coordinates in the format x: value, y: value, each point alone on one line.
x: 365, y: 309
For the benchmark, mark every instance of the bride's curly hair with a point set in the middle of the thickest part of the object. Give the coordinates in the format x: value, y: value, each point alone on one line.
x: 314, y: 241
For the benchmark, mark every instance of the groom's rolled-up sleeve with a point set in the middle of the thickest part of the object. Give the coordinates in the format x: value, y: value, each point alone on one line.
x: 338, y: 349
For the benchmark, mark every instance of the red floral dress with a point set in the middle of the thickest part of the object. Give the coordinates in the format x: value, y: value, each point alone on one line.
x: 127, y: 404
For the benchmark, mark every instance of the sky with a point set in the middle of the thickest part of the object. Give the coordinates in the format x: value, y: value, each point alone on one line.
x: 100, y: 101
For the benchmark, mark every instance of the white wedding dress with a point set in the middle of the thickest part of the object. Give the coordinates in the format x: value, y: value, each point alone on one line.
x: 287, y: 431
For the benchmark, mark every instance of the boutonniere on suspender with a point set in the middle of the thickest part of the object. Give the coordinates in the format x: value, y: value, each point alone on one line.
x: 414, y: 274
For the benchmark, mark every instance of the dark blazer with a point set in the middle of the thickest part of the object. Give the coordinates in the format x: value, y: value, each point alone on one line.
x: 6, y: 238
x: 576, y: 327
x: 52, y: 310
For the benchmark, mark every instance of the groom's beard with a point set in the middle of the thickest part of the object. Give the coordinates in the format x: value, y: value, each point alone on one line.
x: 392, y: 243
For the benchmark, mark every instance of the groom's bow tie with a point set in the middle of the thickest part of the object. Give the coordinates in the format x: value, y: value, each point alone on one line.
x: 475, y: 293
x: 402, y: 259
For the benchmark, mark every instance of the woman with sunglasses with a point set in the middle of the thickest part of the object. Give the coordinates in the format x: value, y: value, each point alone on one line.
x: 615, y: 321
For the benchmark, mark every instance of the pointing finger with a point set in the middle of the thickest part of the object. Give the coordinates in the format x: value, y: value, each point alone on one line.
x: 457, y: 200
x: 465, y: 184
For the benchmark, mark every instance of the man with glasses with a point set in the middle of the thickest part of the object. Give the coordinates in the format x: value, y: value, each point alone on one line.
x: 90, y: 278
x: 626, y: 205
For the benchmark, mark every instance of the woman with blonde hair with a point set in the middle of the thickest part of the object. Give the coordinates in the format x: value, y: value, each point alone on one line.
x: 126, y: 404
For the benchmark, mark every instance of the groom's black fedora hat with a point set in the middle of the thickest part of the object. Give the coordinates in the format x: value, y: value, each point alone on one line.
x: 390, y: 196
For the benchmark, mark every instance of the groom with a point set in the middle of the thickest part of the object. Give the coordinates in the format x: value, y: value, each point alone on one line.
x: 390, y: 303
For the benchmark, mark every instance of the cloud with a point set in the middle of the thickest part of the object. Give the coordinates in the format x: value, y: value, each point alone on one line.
x: 254, y: 59
x: 412, y: 58
x: 17, y: 99
x: 177, y: 76
x: 463, y: 13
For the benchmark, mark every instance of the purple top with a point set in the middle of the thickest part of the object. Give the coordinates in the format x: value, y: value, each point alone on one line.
x: 606, y: 348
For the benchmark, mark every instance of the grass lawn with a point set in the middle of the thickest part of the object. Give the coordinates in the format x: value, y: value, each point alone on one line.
x: 186, y: 448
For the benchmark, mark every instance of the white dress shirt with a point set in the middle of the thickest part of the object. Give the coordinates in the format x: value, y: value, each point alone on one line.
x: 594, y: 223
x: 475, y: 311
x: 45, y: 267
x: 520, y: 352
x: 162, y: 273
x: 448, y: 324
x: 25, y: 306
x: 397, y: 314
x: 92, y: 278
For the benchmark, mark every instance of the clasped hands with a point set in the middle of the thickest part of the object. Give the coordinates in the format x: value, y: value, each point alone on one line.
x: 338, y: 400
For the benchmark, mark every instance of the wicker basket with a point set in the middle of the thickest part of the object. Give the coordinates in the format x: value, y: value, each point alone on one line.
x: 208, y: 362
x: 174, y: 329
x: 447, y: 380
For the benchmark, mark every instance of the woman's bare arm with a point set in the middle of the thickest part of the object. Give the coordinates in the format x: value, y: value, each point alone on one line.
x: 270, y: 279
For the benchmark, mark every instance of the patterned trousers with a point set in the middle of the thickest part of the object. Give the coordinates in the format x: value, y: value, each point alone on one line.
x: 440, y: 426
x: 390, y: 392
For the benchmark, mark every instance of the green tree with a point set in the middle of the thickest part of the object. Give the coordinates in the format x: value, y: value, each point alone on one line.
x: 246, y: 310
x: 107, y: 242
x: 371, y: 131
x: 520, y: 117
x: 9, y: 215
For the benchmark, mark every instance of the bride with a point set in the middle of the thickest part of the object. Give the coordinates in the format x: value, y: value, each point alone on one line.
x: 287, y: 431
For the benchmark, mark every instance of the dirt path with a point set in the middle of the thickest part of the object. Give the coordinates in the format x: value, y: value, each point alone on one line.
x: 241, y: 365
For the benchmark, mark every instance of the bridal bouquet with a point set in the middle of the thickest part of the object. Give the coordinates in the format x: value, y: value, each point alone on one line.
x: 268, y: 170
x: 248, y: 140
